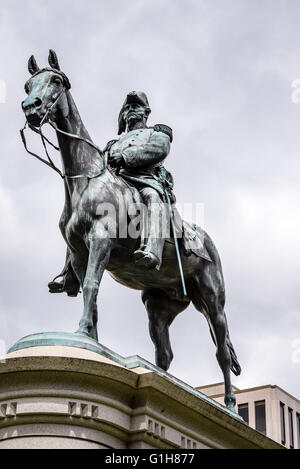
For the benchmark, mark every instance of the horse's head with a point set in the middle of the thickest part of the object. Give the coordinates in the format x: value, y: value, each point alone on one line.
x: 46, y: 92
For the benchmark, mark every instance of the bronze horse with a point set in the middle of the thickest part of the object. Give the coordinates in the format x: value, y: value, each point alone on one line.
x: 90, y: 184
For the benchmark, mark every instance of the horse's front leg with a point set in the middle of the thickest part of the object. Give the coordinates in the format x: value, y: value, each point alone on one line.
x: 99, y: 245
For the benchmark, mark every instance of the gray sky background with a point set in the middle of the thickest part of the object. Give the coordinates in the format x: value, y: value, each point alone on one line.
x: 219, y: 72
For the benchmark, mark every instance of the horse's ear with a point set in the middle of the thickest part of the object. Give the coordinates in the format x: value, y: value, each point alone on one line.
x: 32, y: 65
x: 53, y: 61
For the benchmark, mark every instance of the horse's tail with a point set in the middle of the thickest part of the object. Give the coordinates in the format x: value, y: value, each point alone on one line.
x: 235, y: 366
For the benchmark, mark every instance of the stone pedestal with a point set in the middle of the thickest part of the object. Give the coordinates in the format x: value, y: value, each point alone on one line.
x: 61, y: 390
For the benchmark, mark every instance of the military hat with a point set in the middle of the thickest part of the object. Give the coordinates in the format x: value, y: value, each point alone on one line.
x: 138, y: 97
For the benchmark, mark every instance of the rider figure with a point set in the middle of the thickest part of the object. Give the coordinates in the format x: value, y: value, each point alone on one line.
x: 137, y: 157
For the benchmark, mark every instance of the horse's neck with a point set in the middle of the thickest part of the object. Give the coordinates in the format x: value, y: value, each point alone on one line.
x: 78, y: 157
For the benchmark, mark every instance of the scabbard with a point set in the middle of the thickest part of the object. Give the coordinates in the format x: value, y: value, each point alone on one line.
x: 176, y: 243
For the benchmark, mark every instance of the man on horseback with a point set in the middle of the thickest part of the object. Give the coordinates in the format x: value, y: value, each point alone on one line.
x: 137, y: 157
x: 90, y: 183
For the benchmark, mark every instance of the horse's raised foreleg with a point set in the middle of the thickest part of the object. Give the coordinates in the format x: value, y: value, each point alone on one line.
x: 161, y: 312
x: 208, y: 296
x: 70, y: 283
x: 99, y: 252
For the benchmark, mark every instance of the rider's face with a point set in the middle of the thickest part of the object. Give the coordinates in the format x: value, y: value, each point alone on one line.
x: 134, y: 113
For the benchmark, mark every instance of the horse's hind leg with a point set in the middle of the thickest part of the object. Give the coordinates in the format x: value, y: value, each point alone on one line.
x: 161, y: 312
x: 208, y: 296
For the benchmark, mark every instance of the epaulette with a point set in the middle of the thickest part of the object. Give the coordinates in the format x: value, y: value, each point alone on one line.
x: 109, y: 145
x: 165, y: 129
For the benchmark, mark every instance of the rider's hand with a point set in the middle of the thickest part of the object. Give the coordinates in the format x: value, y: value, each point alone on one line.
x: 116, y: 159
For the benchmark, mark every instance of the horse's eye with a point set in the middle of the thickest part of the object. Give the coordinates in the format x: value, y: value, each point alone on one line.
x: 57, y: 81
x: 26, y: 88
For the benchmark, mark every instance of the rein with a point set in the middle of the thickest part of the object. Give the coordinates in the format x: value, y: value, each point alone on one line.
x: 44, y: 140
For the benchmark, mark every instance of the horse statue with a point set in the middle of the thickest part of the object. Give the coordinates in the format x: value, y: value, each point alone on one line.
x: 89, y: 184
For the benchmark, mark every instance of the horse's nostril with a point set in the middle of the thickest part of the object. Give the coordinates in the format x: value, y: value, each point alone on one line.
x: 37, y: 102
x: 30, y: 104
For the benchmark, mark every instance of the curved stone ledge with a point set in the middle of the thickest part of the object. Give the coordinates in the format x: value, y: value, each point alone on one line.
x: 55, y: 396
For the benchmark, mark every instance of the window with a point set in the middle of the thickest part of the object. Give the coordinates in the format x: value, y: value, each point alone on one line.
x: 298, y: 428
x: 243, y: 411
x: 260, y: 416
x: 282, y: 423
x: 291, y: 428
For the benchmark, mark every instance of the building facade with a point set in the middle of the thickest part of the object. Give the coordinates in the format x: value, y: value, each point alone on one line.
x: 268, y: 409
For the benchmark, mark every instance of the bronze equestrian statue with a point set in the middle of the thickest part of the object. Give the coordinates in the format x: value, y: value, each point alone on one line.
x: 137, y: 157
x: 129, y: 172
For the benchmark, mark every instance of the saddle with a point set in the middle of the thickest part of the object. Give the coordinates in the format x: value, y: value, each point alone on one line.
x: 191, y: 237
x: 193, y: 241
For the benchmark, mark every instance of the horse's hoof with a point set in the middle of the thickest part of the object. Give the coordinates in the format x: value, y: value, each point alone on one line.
x: 231, y: 407
x: 83, y: 332
x: 56, y: 287
x: 61, y: 287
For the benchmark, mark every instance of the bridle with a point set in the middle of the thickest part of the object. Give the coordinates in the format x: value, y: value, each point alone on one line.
x: 54, y: 126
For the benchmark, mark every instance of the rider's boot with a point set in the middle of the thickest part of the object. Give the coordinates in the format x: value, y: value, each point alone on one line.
x: 146, y: 259
x: 153, y: 232
x: 69, y: 283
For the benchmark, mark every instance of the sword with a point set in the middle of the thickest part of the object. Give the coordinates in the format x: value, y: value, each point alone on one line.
x: 176, y: 242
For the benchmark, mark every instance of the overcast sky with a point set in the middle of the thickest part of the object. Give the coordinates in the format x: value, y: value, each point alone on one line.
x: 219, y: 72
